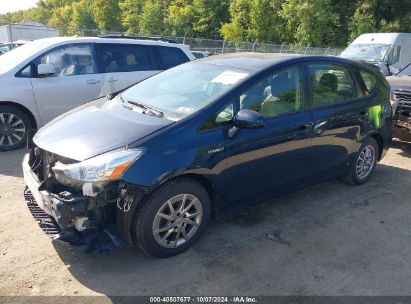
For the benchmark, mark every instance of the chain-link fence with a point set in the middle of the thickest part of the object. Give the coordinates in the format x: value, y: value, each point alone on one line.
x: 214, y: 46
x: 222, y: 46
x: 217, y: 46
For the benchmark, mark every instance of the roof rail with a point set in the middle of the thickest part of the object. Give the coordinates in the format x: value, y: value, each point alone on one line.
x: 154, y: 38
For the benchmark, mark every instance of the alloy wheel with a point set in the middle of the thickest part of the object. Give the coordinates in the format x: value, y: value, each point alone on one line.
x: 177, y: 220
x: 12, y: 129
x: 365, y: 162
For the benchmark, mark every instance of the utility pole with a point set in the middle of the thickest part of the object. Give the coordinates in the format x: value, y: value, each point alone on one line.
x: 254, y: 44
x: 11, y: 31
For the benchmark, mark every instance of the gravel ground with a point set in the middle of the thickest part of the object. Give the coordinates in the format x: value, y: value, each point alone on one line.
x: 327, y: 239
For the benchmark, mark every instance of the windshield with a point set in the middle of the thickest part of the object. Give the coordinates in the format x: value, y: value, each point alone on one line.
x: 4, y: 48
x: 405, y: 71
x: 185, y: 89
x: 366, y: 52
x: 12, y: 58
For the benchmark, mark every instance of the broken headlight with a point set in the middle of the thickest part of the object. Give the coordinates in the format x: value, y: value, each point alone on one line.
x: 97, y: 170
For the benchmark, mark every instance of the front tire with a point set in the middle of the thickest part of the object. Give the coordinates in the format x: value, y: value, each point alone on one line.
x: 14, y: 127
x: 364, y: 163
x: 171, y: 219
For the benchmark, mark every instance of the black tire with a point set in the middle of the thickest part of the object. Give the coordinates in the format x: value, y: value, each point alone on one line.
x: 143, y: 231
x: 5, y: 128
x: 352, y: 177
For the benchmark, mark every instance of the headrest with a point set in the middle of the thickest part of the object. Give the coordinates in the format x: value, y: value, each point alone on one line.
x: 329, y: 80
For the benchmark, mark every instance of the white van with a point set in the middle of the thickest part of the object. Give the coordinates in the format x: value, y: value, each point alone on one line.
x: 47, y: 77
x: 389, y: 51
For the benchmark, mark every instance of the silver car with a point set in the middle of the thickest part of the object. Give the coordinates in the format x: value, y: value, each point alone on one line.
x: 45, y: 78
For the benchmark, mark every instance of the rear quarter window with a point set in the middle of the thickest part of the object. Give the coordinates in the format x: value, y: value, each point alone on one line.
x: 369, y: 80
x: 168, y: 57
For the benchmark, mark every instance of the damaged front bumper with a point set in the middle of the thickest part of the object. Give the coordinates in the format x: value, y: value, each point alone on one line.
x: 101, y: 223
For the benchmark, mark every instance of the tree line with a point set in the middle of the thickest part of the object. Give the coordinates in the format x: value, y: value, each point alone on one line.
x: 318, y: 23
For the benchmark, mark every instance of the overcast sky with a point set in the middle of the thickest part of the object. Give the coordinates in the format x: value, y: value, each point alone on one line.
x: 7, y: 6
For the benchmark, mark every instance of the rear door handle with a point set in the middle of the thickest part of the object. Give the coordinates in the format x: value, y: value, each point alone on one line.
x: 112, y: 80
x: 303, y: 131
x: 93, y: 81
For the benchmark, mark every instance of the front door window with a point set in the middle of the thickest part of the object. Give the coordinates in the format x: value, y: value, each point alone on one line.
x: 70, y: 60
x: 279, y: 93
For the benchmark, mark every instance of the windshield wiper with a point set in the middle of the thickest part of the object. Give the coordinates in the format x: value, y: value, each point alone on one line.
x: 146, y: 109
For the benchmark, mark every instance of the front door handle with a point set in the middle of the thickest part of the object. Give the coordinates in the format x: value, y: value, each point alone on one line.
x: 112, y: 80
x: 93, y: 81
x: 303, y: 131
x: 319, y: 128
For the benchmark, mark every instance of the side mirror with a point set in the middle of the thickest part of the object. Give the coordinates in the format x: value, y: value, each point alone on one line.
x: 388, y: 69
x: 45, y: 69
x: 248, y: 119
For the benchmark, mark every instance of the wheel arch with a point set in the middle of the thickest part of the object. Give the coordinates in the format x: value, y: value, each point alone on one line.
x: 126, y: 222
x: 380, y: 142
x: 22, y: 108
x: 206, y: 183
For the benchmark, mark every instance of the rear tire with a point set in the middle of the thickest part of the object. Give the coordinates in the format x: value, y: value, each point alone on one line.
x: 364, y: 163
x: 14, y: 127
x: 171, y: 219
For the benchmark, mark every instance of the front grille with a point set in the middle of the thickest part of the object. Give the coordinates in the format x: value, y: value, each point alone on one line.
x: 403, y: 95
x: 45, y: 221
x: 403, y: 99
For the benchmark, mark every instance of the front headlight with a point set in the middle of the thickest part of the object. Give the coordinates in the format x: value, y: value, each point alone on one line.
x: 97, y: 170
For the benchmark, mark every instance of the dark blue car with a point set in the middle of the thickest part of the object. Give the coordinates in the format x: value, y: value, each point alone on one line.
x: 150, y: 165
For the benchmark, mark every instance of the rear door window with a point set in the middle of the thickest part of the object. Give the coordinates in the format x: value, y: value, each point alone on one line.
x: 168, y: 57
x: 331, y: 83
x: 124, y: 58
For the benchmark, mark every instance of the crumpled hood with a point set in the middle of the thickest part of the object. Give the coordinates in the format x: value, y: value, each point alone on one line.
x: 94, y: 128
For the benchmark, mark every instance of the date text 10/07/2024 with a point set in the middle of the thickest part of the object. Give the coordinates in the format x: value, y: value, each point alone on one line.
x: 239, y: 299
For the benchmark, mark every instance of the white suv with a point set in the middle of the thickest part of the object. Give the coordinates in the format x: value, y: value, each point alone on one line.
x: 47, y: 77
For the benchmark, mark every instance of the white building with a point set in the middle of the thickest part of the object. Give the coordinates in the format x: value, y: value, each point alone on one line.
x: 27, y: 30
